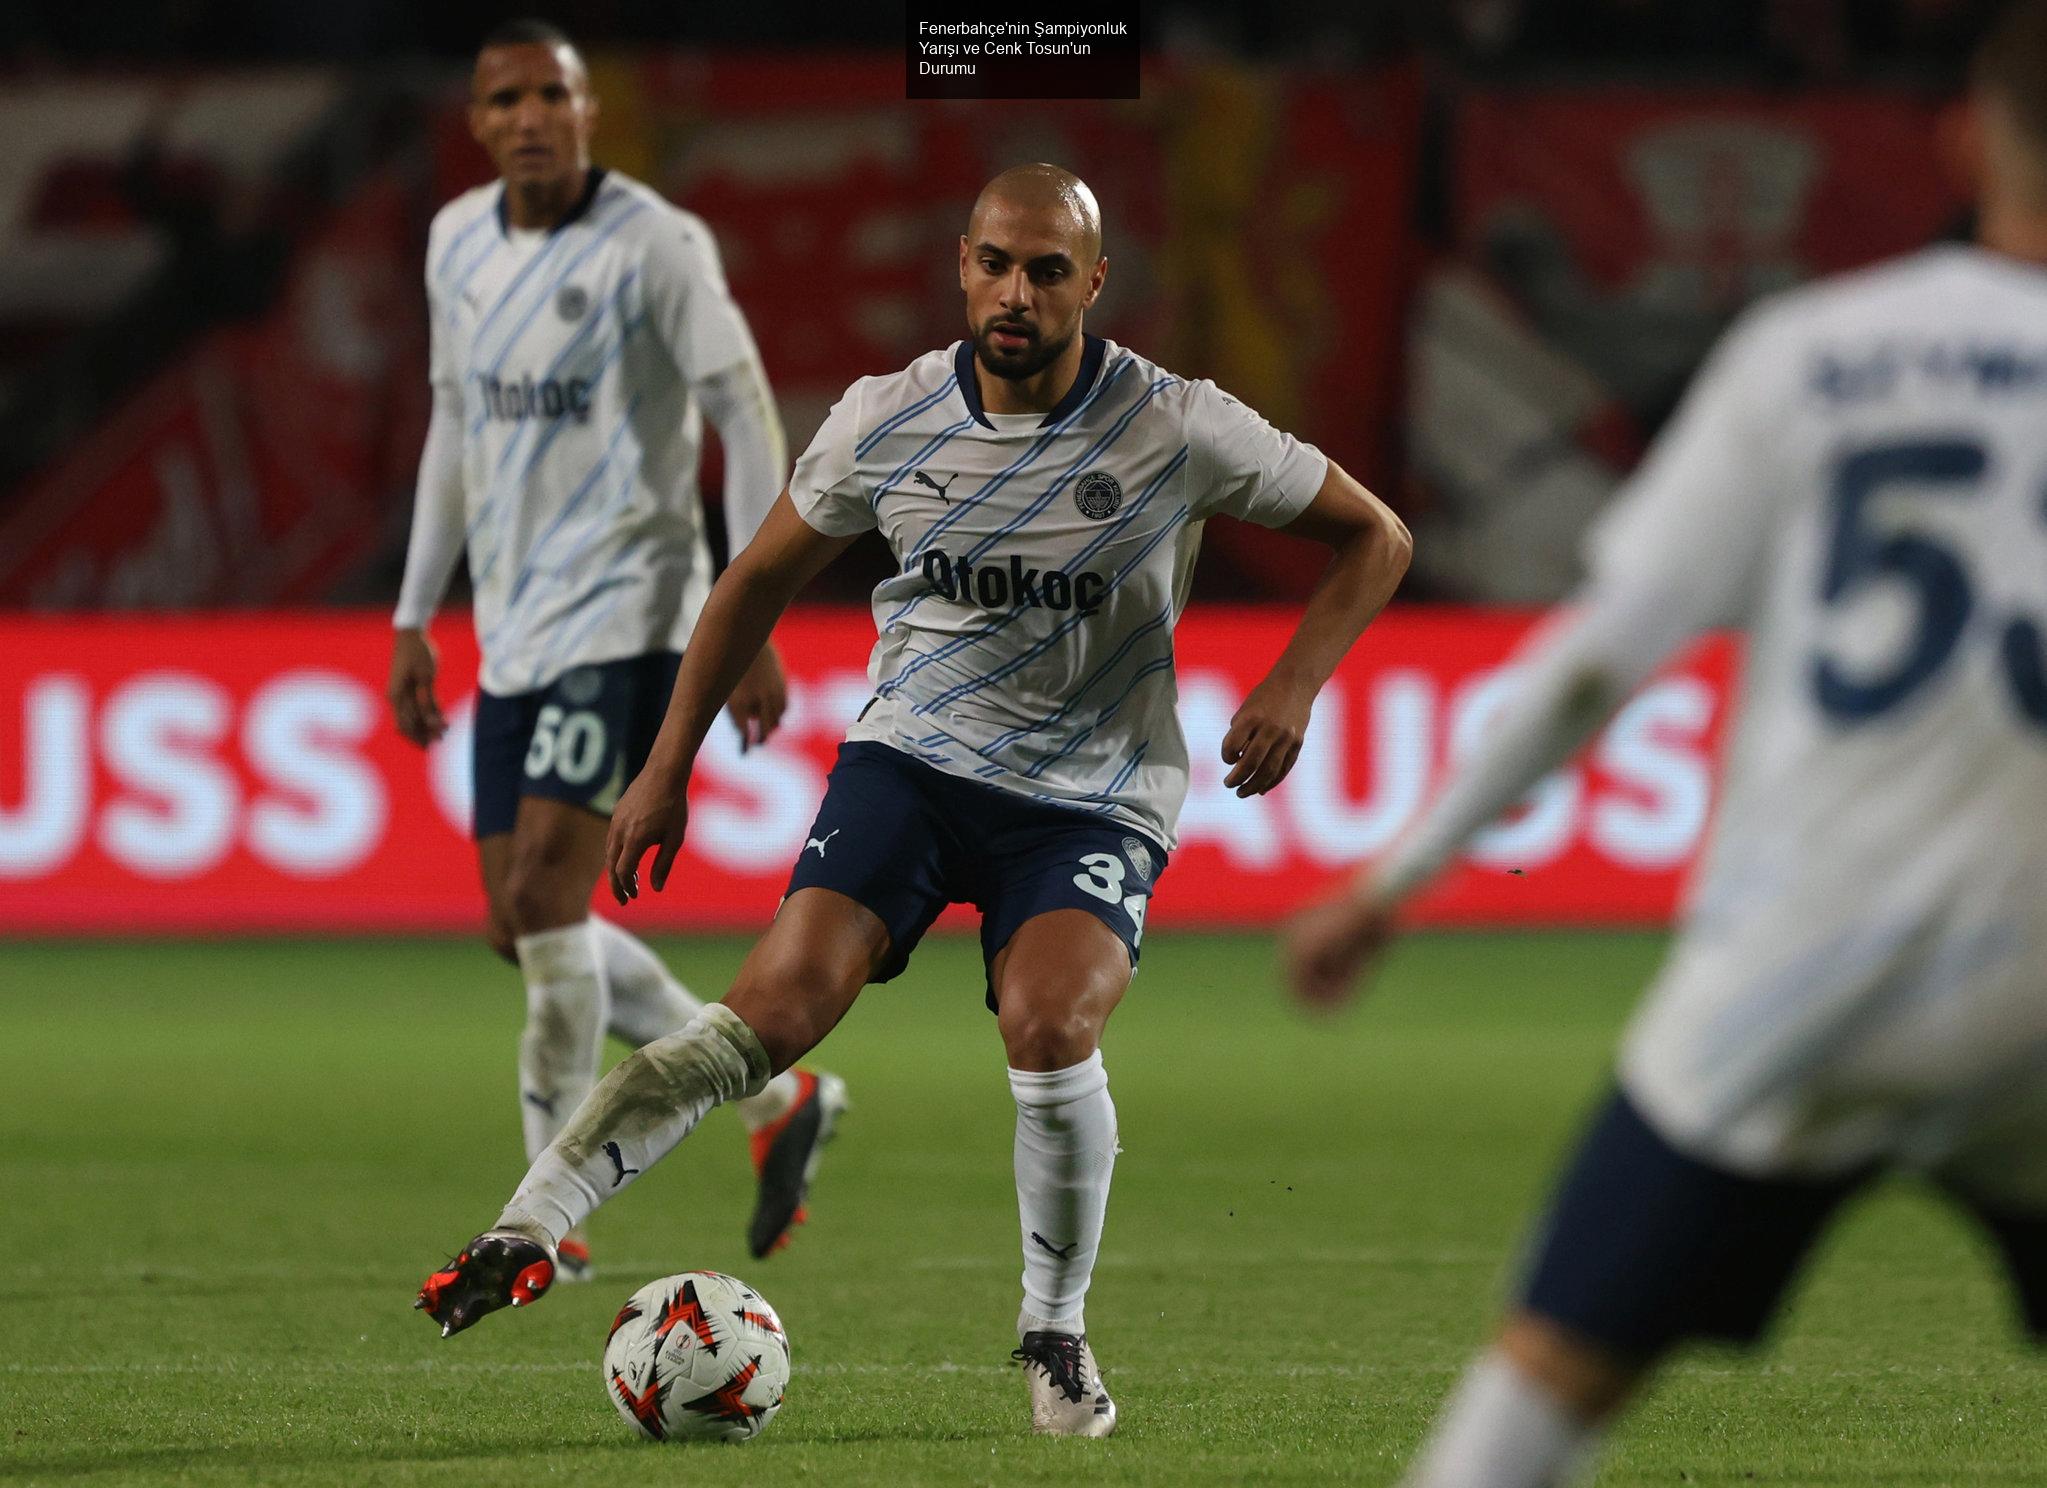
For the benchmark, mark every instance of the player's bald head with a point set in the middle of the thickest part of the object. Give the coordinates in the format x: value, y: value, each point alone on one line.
x: 1046, y: 196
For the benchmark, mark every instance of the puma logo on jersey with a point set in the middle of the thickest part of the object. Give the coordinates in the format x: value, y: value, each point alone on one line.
x: 998, y: 586
x: 924, y: 480
x: 819, y: 842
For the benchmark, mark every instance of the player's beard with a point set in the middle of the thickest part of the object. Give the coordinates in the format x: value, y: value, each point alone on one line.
x: 1015, y: 366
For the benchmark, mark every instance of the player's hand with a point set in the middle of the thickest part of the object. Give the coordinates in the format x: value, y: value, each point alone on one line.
x: 1265, y: 737
x: 1328, y: 948
x: 760, y: 699
x: 653, y: 812
x: 411, y: 688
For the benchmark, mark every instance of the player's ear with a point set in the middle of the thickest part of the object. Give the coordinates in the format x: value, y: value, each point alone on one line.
x: 1095, y: 282
x: 963, y: 260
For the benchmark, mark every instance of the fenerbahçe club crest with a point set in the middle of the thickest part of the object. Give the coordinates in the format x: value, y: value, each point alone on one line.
x: 1098, y: 494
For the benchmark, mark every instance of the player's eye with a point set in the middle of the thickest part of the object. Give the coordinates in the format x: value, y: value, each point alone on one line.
x: 554, y: 92
x: 991, y: 266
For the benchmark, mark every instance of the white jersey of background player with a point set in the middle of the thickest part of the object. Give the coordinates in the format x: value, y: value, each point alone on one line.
x: 579, y: 323
x: 1858, y: 479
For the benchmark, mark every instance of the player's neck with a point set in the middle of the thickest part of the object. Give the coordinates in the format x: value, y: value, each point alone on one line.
x: 1038, y: 393
x: 2014, y: 231
x: 543, y: 205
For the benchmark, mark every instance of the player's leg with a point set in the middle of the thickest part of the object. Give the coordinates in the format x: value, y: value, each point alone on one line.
x: 795, y: 986
x: 1644, y: 1248
x: 1064, y: 917
x: 1056, y: 982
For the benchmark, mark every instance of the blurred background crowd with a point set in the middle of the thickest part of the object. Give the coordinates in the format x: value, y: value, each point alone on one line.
x: 1474, y: 249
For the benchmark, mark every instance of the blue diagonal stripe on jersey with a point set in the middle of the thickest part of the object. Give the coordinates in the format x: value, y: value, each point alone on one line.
x: 932, y: 446
x: 546, y: 296
x: 448, y: 253
x: 897, y: 420
x: 1109, y: 436
x: 1109, y: 711
x: 565, y: 644
x: 1164, y: 618
x: 1101, y: 539
x: 526, y: 269
x: 482, y: 257
x: 530, y: 567
x: 621, y: 497
x: 540, y: 448
x: 1058, y: 633
x: 561, y: 359
x: 1002, y: 477
x: 1123, y: 775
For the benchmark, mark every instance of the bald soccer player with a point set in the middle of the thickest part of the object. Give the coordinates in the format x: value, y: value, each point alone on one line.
x: 580, y: 329
x: 1043, y: 491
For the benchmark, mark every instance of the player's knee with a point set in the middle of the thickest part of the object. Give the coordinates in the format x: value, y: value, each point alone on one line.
x: 1592, y: 1381
x: 536, y: 898
x: 1046, y: 1032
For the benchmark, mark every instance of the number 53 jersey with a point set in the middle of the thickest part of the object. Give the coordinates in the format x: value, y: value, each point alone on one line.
x: 1042, y: 560
x: 1859, y: 480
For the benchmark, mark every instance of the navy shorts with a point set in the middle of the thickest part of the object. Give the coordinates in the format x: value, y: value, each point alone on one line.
x: 906, y: 839
x: 580, y: 739
x: 1645, y: 1248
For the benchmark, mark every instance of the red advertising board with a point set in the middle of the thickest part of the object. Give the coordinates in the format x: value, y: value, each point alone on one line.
x: 240, y: 773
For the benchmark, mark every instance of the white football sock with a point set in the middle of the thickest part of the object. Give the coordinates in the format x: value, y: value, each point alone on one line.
x: 648, y: 1003
x: 1065, y: 1153
x: 635, y: 1117
x: 560, y: 1049
x: 1500, y: 1429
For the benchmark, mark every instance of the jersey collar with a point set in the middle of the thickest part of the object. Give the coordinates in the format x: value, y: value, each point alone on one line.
x: 581, y: 209
x: 1092, y: 349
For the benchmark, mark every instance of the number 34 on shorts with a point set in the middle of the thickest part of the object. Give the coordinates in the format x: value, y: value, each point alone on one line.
x: 1102, y: 876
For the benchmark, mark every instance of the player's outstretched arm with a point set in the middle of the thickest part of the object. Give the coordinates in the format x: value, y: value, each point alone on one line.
x: 1675, y: 555
x: 745, y: 603
x: 1372, y: 548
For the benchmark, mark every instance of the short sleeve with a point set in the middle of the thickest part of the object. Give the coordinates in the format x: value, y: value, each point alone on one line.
x: 825, y: 487
x: 1242, y: 466
x: 1694, y: 521
x: 688, y: 303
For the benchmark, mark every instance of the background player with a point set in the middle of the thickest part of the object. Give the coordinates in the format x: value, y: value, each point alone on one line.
x: 579, y: 323
x: 1022, y: 750
x: 1858, y: 477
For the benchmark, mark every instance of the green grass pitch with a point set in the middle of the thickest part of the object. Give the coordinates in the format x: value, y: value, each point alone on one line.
x: 226, y: 1167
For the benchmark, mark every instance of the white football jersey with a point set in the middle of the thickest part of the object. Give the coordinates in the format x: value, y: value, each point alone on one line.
x: 572, y: 353
x: 1859, y: 480
x: 1027, y: 637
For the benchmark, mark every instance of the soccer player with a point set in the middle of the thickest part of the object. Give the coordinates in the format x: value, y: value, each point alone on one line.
x: 1857, y: 478
x: 1043, y: 492
x: 579, y: 325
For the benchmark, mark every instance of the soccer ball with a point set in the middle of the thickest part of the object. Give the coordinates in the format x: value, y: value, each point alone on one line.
x: 697, y: 1355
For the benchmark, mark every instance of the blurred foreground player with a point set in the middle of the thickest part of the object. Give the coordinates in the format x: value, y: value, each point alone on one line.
x: 1859, y: 478
x: 579, y: 322
x: 1043, y: 492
